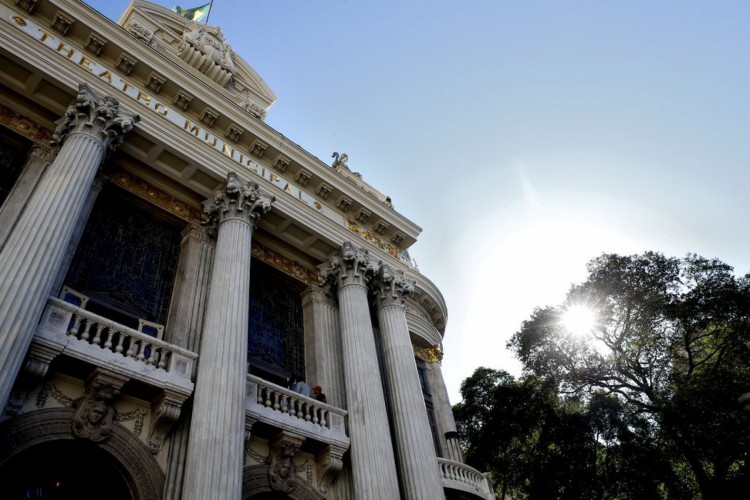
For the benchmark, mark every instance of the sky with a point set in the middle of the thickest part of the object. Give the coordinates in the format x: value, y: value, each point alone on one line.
x: 525, y: 137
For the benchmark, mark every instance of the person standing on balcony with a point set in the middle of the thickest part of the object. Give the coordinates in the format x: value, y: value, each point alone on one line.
x: 299, y: 385
x: 318, y: 394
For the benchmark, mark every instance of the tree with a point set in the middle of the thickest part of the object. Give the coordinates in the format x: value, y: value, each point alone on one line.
x: 671, y: 346
x: 538, y: 445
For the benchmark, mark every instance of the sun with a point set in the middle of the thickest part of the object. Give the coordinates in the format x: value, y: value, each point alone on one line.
x: 578, y: 319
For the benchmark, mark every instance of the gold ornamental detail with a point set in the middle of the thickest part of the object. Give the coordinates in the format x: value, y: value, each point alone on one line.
x: 144, y: 190
x: 372, y: 238
x: 287, y: 266
x: 432, y: 354
x: 25, y: 126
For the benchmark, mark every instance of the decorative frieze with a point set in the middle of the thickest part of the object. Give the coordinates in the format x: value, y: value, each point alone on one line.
x: 344, y: 203
x: 371, y: 237
x: 255, y: 110
x: 398, y: 238
x: 381, y: 227
x: 95, y: 44
x: 182, y: 100
x: 142, y: 33
x: 126, y: 63
x: 303, y: 177
x: 27, y: 5
x: 324, y: 190
x: 208, y: 117
x: 363, y: 215
x: 258, y: 148
x: 155, y: 195
x: 288, y: 266
x: 281, y: 163
x: 24, y: 126
x: 155, y: 82
x: 62, y: 23
x: 233, y: 133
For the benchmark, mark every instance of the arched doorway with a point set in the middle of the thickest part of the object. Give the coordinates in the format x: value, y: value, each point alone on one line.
x: 38, y: 449
x: 257, y: 486
x: 64, y: 470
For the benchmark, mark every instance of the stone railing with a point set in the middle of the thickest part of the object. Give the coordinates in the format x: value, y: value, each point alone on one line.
x: 100, y: 341
x: 461, y: 477
x: 292, y: 411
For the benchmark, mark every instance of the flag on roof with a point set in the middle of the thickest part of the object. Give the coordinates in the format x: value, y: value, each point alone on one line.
x: 194, y: 14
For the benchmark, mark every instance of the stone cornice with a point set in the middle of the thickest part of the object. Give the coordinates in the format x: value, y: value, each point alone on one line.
x: 219, y: 99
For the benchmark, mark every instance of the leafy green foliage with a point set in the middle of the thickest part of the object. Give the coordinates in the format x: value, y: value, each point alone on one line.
x: 645, y: 406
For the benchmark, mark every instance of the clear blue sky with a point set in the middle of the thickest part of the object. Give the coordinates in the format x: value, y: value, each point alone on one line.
x: 525, y: 137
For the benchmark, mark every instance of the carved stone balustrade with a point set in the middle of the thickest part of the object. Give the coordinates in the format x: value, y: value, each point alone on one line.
x: 288, y: 410
x: 458, y: 476
x: 102, y: 342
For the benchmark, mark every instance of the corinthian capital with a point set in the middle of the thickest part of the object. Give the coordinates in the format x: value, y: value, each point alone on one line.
x: 237, y: 201
x: 351, y: 266
x: 99, y: 118
x: 390, y: 287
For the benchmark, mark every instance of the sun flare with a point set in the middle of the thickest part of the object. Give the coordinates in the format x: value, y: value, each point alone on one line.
x: 579, y: 320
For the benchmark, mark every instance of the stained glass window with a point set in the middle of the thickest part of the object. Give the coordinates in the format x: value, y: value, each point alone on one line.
x: 126, y: 260
x: 13, y: 150
x: 275, y: 333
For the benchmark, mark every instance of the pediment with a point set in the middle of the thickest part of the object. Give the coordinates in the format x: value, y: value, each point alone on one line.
x: 203, y: 47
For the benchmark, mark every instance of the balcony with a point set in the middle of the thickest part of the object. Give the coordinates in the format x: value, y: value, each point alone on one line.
x: 461, y: 477
x: 283, y: 409
x: 82, y: 335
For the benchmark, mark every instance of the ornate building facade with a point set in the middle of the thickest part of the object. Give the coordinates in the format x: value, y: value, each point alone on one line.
x: 169, y: 262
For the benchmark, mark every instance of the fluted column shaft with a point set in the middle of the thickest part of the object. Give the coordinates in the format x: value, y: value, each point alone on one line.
x: 34, y: 250
x: 184, y: 329
x: 36, y: 163
x: 322, y: 346
x: 373, y: 469
x: 217, y: 432
x: 446, y: 424
x: 191, y: 288
x: 417, y: 462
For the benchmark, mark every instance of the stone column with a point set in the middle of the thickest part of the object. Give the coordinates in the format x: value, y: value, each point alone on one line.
x: 38, y: 159
x: 371, y: 452
x: 35, y: 249
x: 191, y: 288
x: 322, y: 345
x: 446, y: 424
x: 417, y: 462
x: 217, y: 431
x: 184, y: 329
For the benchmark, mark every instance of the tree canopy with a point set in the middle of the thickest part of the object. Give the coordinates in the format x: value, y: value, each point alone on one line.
x: 643, y: 404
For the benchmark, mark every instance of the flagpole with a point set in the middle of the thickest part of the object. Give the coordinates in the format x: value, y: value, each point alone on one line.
x: 209, y: 11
